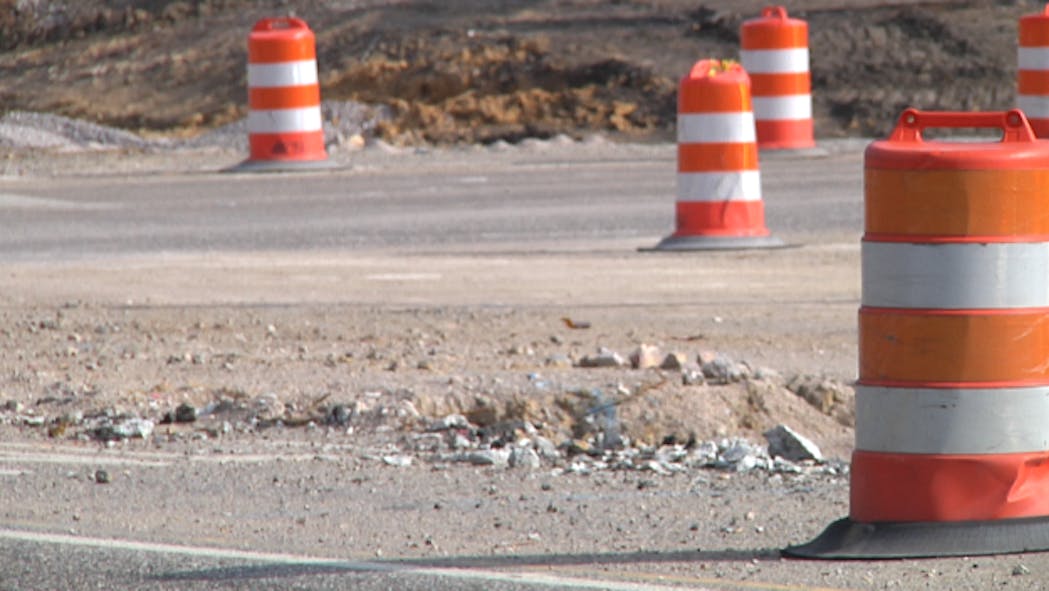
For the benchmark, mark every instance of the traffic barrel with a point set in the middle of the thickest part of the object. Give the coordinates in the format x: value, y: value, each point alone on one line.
x: 1032, y: 76
x: 285, y: 129
x: 952, y: 400
x: 718, y: 181
x: 774, y: 50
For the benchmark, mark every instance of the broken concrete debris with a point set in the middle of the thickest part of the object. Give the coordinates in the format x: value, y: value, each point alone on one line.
x: 550, y: 423
x: 603, y: 358
x: 718, y: 369
x: 784, y: 442
x: 645, y: 357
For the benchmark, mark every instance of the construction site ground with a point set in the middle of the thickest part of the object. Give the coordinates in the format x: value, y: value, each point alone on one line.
x: 250, y: 338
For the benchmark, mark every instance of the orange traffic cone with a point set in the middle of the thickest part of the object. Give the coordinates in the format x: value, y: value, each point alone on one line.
x: 952, y: 401
x: 1032, y: 76
x: 775, y: 53
x: 285, y: 131
x: 718, y: 182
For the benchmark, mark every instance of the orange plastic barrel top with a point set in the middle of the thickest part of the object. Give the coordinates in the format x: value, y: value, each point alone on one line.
x: 774, y: 29
x: 284, y: 39
x: 971, y: 191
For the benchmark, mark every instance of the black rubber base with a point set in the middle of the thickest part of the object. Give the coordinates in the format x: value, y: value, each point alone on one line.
x: 845, y: 539
x: 282, y: 166
x: 716, y: 243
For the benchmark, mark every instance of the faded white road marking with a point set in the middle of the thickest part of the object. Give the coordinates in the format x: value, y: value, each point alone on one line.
x: 473, y: 574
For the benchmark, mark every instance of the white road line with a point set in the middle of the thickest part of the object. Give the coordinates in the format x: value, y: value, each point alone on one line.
x: 524, y: 578
x: 11, y: 200
x: 18, y: 454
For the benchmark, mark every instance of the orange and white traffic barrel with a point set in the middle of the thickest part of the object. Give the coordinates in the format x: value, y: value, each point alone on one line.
x: 719, y: 202
x: 1032, y: 76
x: 952, y: 401
x: 774, y: 50
x: 285, y: 128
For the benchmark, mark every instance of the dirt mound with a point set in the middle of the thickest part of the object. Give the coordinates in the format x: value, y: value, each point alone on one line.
x: 484, y: 71
x: 481, y: 90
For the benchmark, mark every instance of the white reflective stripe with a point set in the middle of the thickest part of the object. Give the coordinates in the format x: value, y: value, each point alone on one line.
x: 775, y: 61
x: 1033, y: 58
x: 1034, y: 106
x: 285, y: 120
x: 693, y: 128
x: 719, y: 186
x: 953, y: 276
x: 300, y: 73
x: 952, y: 421
x: 795, y: 106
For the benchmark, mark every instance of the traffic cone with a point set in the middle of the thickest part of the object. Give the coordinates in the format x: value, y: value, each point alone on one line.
x: 1032, y: 76
x: 775, y: 53
x: 952, y: 401
x: 285, y: 130
x: 718, y: 182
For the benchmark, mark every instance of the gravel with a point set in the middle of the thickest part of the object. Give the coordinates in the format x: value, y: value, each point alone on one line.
x: 345, y: 123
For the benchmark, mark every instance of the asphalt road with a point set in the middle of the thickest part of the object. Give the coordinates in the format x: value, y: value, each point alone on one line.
x: 276, y: 518
x: 414, y: 202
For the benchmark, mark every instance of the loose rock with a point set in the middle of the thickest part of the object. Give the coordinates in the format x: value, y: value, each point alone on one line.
x: 645, y: 357
x: 790, y: 445
x: 603, y: 358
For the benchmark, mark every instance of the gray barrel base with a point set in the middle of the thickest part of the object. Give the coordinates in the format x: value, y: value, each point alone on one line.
x: 848, y: 540
x: 716, y: 243
x: 282, y: 166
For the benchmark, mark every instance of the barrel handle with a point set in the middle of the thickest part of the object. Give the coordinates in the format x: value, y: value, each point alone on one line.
x: 282, y: 22
x: 1013, y: 123
x: 774, y: 12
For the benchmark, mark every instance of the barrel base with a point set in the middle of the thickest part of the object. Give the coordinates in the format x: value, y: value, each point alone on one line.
x: 683, y: 243
x: 282, y: 166
x: 848, y: 540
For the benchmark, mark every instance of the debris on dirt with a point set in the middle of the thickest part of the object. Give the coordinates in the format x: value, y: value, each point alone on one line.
x: 829, y: 396
x: 785, y: 443
x: 674, y: 361
x: 107, y: 429
x: 603, y: 358
x: 185, y: 413
x: 645, y: 357
x: 101, y: 477
x: 719, y: 369
x: 575, y: 324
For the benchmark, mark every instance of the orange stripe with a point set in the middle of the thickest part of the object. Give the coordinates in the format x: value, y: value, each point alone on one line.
x: 714, y: 95
x: 927, y: 348
x: 717, y: 157
x: 976, y: 203
x: 780, y: 84
x: 289, y: 45
x: 720, y: 218
x: 284, y: 97
x: 765, y: 35
x: 1034, y: 31
x: 288, y: 146
x: 921, y: 487
x: 1032, y: 81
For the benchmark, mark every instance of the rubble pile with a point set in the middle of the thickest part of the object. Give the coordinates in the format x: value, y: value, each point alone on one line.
x: 576, y: 430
